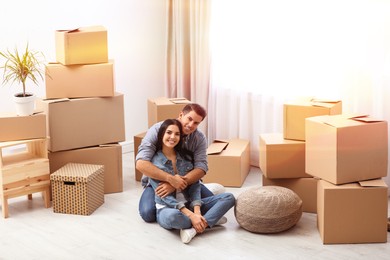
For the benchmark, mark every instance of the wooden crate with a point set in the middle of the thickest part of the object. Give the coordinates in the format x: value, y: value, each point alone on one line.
x: 24, y: 170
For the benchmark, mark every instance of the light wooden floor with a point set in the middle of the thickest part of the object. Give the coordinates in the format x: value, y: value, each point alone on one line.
x: 115, y: 231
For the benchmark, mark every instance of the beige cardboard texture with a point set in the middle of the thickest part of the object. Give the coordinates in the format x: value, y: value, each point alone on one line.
x: 84, y: 122
x: 231, y: 166
x: 78, y: 81
x: 352, y: 213
x: 281, y: 158
x: 162, y: 108
x: 295, y: 113
x: 340, y: 149
x: 84, y: 45
x: 14, y: 127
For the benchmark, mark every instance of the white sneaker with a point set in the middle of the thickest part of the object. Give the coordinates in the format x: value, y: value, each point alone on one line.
x: 187, y: 234
x: 215, y: 188
x: 221, y: 221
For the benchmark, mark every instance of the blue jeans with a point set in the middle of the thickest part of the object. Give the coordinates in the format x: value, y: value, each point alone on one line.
x: 147, y: 205
x: 213, y: 208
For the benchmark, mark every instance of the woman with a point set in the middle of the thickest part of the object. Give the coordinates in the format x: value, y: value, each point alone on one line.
x: 184, y: 210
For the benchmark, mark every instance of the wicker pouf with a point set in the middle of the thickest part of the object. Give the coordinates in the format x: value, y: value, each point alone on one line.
x: 268, y: 209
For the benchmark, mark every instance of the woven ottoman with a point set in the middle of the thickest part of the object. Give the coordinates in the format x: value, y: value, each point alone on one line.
x: 268, y: 209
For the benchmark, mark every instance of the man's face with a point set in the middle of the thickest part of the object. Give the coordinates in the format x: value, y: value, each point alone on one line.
x: 190, y: 122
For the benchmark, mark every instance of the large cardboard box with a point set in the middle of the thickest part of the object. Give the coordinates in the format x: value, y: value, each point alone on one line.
x: 77, y: 81
x: 137, y: 141
x: 352, y: 213
x: 83, y: 122
x: 281, y: 158
x: 110, y: 156
x: 305, y: 188
x: 228, y: 161
x: 343, y: 149
x: 14, y: 127
x: 295, y: 113
x: 162, y: 108
x: 78, y: 188
x: 84, y: 45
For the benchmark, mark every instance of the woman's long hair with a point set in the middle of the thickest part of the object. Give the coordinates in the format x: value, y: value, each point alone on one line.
x: 179, y: 147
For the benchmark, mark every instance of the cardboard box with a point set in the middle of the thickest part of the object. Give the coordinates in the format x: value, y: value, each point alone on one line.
x: 137, y: 141
x: 343, y: 149
x: 84, y: 45
x: 281, y: 158
x: 77, y: 81
x: 110, y: 156
x: 162, y: 108
x: 295, y: 113
x: 83, y: 122
x: 352, y: 213
x: 228, y: 161
x: 78, y: 188
x: 305, y: 188
x: 14, y: 127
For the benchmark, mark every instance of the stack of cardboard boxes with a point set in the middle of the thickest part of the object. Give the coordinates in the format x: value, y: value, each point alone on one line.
x: 334, y: 162
x: 85, y: 116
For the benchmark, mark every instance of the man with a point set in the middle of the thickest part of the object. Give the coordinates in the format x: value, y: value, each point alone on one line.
x: 195, y: 141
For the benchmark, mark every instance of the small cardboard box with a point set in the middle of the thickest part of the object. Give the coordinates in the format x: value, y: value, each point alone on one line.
x: 110, y: 156
x: 78, y: 188
x: 295, y: 113
x: 162, y: 108
x: 281, y: 158
x: 352, y: 213
x: 14, y: 127
x: 228, y: 162
x: 78, y: 81
x: 343, y: 149
x: 137, y: 141
x: 305, y: 188
x: 84, y: 45
x: 83, y: 122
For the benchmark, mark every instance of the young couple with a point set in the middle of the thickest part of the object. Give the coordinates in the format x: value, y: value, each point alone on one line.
x: 172, y: 156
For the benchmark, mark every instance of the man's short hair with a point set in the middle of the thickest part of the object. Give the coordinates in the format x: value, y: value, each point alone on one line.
x: 198, y: 109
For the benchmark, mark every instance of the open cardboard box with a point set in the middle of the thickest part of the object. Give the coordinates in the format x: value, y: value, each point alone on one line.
x: 228, y: 161
x: 162, y: 108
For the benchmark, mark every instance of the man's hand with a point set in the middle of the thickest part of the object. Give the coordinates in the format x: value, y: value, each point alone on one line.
x: 164, y: 189
x: 177, y: 181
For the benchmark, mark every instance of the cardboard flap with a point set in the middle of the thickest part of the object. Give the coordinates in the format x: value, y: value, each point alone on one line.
x: 217, y: 147
x: 373, y: 183
x: 366, y: 119
x: 57, y: 100
x: 323, y: 103
x: 180, y: 101
x: 68, y: 30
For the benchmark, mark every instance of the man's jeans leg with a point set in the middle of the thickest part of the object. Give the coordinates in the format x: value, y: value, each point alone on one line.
x: 147, y: 205
x: 205, y: 192
x: 213, y: 208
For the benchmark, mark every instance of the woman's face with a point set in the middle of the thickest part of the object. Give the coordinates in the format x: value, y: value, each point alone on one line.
x: 171, y: 136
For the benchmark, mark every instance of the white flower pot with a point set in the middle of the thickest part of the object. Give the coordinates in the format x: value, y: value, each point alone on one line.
x: 25, y: 105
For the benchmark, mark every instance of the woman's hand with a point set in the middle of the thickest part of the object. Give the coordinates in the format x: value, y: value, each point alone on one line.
x: 199, y: 223
x: 164, y: 189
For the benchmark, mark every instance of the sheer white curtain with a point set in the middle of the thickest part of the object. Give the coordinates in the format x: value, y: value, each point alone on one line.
x: 266, y: 52
x: 188, y: 62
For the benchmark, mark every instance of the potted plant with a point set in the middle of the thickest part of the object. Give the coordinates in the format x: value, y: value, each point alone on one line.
x: 19, y: 67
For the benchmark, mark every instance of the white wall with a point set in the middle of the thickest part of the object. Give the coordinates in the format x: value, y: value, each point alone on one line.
x: 136, y: 42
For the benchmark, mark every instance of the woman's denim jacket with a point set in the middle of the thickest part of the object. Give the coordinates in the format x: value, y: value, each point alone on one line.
x: 183, y: 166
